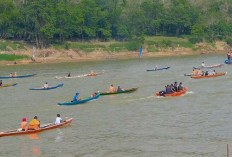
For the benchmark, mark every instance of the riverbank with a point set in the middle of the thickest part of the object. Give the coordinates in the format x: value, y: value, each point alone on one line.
x: 54, y: 55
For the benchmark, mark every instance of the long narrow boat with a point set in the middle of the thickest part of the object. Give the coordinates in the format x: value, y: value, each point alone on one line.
x: 102, y: 73
x: 228, y: 62
x: 208, y: 76
x: 130, y: 90
x: 187, y: 74
x: 54, y: 87
x: 211, y: 66
x: 158, y: 69
x: 185, y: 89
x: 22, y: 76
x: 80, y: 101
x: 43, y: 128
x: 8, y: 85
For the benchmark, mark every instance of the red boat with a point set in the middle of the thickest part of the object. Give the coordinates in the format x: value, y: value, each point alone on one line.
x: 175, y: 93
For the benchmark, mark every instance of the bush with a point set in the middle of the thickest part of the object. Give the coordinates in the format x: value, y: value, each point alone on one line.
x: 195, y: 40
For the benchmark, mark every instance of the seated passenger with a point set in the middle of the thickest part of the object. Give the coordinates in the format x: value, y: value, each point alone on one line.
x: 180, y: 87
x: 194, y: 72
x: 111, y: 88
x: 15, y: 74
x: 199, y: 72
x: 58, y: 119
x: 24, y: 124
x: 76, y: 98
x: 168, y: 89
x: 45, y: 85
x: 34, y: 124
x: 214, y: 72
x: 0, y: 82
x: 206, y: 73
x: 11, y: 75
x: 119, y: 89
x: 173, y: 88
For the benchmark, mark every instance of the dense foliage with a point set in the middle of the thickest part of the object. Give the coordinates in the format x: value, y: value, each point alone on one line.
x: 56, y: 21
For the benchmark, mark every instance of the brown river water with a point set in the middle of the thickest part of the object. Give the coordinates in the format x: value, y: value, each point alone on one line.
x: 138, y: 124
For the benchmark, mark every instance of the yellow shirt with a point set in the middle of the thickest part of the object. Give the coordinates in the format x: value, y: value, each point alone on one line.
x: 33, y: 125
x: 111, y: 89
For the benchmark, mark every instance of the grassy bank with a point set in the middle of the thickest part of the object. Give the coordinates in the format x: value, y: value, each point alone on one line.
x: 10, y: 45
x: 9, y: 57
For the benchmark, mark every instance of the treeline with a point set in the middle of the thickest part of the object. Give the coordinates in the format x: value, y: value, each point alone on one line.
x: 56, y: 21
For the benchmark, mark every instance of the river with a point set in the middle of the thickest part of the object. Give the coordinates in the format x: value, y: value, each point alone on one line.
x: 138, y: 124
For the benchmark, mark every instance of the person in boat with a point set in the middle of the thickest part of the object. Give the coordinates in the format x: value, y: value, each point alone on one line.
x: 58, y: 119
x: 180, y: 87
x: 202, y: 64
x: 194, y: 72
x: 11, y: 75
x: 111, y: 88
x: 45, y: 85
x: 214, y: 72
x: 199, y: 73
x: 92, y: 73
x: 24, y: 124
x: 168, y: 89
x: 119, y: 89
x: 34, y: 124
x: 206, y: 73
x: 0, y: 82
x: 156, y: 67
x: 228, y: 56
x: 69, y: 75
x: 175, y: 86
x: 15, y: 74
x: 203, y: 73
x: 76, y: 97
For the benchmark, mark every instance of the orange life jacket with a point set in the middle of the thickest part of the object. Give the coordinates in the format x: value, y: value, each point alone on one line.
x: 199, y: 72
x: 193, y: 72
x: 24, y: 125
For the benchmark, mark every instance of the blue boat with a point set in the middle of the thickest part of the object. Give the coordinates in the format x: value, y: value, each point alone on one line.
x: 80, y: 101
x: 228, y: 62
x: 158, y: 69
x: 22, y: 76
x: 59, y: 85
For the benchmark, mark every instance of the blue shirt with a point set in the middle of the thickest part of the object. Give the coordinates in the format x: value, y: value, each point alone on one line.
x: 75, y: 98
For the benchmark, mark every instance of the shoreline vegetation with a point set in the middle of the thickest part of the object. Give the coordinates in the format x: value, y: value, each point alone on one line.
x: 11, y: 51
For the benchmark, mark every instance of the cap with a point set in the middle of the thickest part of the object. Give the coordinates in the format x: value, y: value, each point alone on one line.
x: 24, y: 119
x: 77, y: 93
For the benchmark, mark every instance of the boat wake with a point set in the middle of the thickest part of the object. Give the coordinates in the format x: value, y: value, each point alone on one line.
x: 66, y: 77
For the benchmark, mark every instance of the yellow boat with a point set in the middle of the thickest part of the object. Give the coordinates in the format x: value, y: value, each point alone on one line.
x: 8, y: 85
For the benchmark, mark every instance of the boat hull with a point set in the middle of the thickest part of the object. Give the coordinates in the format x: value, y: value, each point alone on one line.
x: 49, y: 88
x: 47, y: 127
x: 102, y: 73
x: 185, y: 89
x: 80, y: 101
x: 209, y: 76
x: 8, y: 85
x: 22, y: 76
x: 208, y: 67
x: 130, y: 90
x: 158, y: 69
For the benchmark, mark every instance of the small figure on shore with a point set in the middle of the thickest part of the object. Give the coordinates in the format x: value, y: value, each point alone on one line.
x: 69, y: 75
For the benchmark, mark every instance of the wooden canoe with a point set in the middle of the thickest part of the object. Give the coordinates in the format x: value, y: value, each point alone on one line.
x: 210, y: 66
x: 22, y: 76
x: 185, y: 89
x: 80, y: 101
x: 102, y: 73
x: 158, y: 69
x: 130, y: 90
x: 208, y: 76
x: 8, y: 85
x: 46, y: 127
x: 54, y: 87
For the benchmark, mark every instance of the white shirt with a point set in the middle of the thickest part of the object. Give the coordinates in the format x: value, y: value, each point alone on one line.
x: 45, y: 85
x: 203, y: 64
x: 58, y: 119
